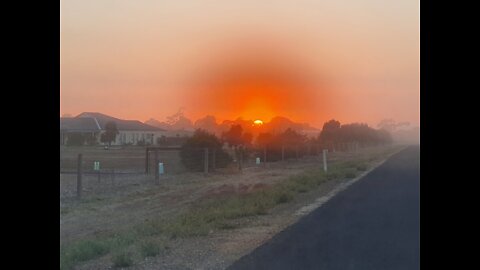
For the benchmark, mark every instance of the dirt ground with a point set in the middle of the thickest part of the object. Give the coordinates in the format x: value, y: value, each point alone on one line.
x: 133, y: 199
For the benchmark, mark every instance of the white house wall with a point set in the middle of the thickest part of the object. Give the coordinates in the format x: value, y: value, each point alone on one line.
x: 133, y: 137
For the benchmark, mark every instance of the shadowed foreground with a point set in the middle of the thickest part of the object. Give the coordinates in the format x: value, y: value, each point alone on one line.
x: 374, y: 224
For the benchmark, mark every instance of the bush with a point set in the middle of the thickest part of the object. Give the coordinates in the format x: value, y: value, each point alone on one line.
x: 283, y: 197
x: 192, y: 153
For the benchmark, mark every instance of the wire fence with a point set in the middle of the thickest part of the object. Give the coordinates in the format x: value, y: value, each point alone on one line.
x: 90, y: 170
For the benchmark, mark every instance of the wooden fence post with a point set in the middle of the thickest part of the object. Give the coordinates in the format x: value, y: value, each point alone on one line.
x: 325, y: 160
x: 79, y: 176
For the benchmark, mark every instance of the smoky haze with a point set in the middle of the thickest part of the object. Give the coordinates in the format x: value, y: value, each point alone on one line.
x: 309, y: 61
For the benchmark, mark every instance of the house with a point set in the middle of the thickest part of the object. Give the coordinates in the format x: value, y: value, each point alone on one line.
x: 93, y: 124
x: 87, y: 128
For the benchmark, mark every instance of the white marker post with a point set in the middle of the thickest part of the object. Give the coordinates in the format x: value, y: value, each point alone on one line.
x: 325, y: 159
x: 257, y: 161
x: 160, y: 168
x: 96, y: 167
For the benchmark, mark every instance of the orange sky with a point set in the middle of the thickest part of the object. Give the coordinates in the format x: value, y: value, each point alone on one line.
x: 306, y: 60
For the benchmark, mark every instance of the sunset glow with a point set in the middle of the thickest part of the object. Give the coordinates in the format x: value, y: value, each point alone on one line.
x: 310, y: 61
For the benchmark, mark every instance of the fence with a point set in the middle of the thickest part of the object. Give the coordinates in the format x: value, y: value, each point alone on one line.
x: 97, y: 170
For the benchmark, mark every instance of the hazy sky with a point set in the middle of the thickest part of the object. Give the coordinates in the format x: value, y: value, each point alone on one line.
x: 355, y: 61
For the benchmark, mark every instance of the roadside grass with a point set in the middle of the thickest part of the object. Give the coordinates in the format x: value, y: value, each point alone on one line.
x: 81, y: 251
x: 122, y: 259
x: 203, y: 218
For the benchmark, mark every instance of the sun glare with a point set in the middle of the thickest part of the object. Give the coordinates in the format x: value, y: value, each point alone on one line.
x: 258, y: 122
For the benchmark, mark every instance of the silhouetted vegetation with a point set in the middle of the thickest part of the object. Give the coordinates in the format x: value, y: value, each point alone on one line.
x: 110, y: 133
x: 334, y: 135
x: 292, y: 143
x: 192, y: 152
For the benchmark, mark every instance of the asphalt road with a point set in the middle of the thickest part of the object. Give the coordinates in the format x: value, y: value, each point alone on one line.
x: 373, y: 224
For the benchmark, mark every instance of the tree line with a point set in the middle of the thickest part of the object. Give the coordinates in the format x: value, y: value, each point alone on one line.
x: 285, y: 145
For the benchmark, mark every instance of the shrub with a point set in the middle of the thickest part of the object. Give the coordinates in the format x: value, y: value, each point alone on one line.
x: 192, y: 153
x: 283, y: 197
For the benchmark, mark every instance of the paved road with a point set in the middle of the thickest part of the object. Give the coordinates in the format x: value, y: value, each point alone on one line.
x: 373, y: 224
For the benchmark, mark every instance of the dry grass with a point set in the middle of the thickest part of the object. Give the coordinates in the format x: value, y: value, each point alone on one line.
x: 148, y: 238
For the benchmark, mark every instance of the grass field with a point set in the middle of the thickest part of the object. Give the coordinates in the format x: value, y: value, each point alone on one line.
x: 122, y: 159
x: 124, y: 227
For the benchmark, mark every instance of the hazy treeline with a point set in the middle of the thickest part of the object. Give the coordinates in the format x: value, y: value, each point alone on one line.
x: 287, y: 144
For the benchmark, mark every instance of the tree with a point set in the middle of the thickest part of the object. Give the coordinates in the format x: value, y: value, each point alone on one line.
x: 264, y: 139
x: 292, y: 141
x: 233, y: 136
x: 110, y: 133
x: 329, y: 135
x: 192, y: 151
x: 291, y: 137
x: 208, y: 123
x: 247, y: 138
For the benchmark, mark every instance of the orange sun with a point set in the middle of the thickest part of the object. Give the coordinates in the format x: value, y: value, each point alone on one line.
x: 258, y: 122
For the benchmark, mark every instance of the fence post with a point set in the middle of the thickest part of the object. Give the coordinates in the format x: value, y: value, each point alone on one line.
x: 146, y: 160
x: 325, y: 160
x: 157, y: 174
x: 96, y: 167
x: 79, y: 176
x: 205, y: 161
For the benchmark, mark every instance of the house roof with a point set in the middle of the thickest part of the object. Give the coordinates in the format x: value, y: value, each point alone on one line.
x: 103, y: 119
x: 79, y: 124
